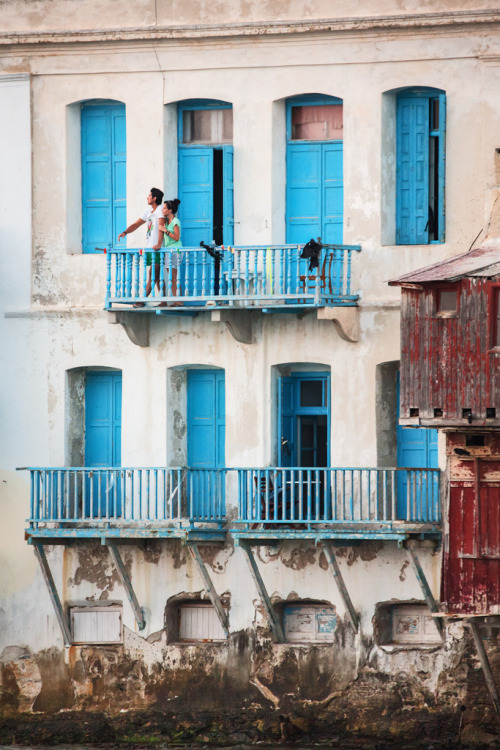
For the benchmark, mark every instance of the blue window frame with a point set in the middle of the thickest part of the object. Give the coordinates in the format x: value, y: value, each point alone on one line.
x: 205, y: 158
x: 314, y: 170
x: 304, y: 419
x: 420, y: 166
x: 103, y: 158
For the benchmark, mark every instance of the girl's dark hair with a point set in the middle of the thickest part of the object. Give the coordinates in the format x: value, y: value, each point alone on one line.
x: 173, y: 205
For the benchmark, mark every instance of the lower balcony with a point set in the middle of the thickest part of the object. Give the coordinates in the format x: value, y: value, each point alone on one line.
x: 127, y: 503
x: 272, y: 278
x: 273, y: 503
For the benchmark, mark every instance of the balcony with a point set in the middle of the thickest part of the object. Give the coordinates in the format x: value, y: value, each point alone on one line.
x: 127, y: 503
x: 333, y: 503
x: 270, y: 278
x: 273, y: 503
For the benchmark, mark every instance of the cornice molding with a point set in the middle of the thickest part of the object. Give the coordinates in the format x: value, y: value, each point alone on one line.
x: 446, y: 20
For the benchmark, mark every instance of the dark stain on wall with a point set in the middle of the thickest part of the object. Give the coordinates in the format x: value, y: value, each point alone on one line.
x: 96, y: 566
x: 57, y: 688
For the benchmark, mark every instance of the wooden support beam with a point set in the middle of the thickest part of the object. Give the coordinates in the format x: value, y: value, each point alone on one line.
x: 54, y: 596
x: 274, y: 620
x: 485, y: 664
x: 126, y: 583
x: 337, y: 575
x: 428, y: 595
x: 214, y: 596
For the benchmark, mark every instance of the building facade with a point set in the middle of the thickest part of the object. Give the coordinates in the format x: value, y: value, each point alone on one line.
x: 218, y: 493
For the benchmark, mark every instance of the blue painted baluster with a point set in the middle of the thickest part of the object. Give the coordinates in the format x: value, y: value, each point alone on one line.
x: 123, y: 266
x: 128, y: 291
x: 246, y: 260
x: 144, y: 275
x: 204, y: 273
x: 137, y: 273
x: 256, y: 258
x: 348, y: 275
x: 281, y: 270
x: 107, y: 303
x: 76, y: 493
x: 33, y: 499
x: 289, y: 263
x: 162, y: 272
x: 118, y: 279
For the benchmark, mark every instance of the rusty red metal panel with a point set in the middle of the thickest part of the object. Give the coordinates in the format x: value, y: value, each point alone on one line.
x: 477, y: 261
x: 446, y: 359
x: 471, y: 559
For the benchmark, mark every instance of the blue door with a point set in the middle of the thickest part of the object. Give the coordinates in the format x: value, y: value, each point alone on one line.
x: 417, y: 447
x: 314, y: 187
x: 103, y: 157
x: 196, y: 166
x: 304, y: 439
x: 103, y: 408
x: 206, y: 438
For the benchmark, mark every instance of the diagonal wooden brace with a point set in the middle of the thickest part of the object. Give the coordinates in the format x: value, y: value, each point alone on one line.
x: 274, y: 620
x: 214, y: 596
x: 126, y: 583
x: 337, y: 575
x: 483, y: 658
x: 428, y: 595
x: 54, y: 596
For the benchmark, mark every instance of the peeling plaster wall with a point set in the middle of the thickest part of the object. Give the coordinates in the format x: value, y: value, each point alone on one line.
x: 55, y: 328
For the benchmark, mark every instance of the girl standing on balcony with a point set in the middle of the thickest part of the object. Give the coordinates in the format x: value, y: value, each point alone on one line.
x: 170, y: 227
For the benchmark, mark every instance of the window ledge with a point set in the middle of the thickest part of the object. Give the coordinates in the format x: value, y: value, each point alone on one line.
x: 391, y: 648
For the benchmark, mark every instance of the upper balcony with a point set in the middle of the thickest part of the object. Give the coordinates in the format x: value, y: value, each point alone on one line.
x: 274, y: 278
x: 273, y: 503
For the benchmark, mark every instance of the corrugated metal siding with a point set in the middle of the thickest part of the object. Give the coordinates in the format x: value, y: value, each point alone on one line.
x: 445, y: 361
x: 471, y: 561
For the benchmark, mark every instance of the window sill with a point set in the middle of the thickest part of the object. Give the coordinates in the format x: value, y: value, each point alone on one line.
x: 391, y: 648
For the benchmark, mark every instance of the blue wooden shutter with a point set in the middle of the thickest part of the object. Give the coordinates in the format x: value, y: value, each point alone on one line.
x: 412, y: 170
x: 228, y: 192
x: 206, y: 419
x: 286, y: 422
x: 103, y: 157
x: 333, y: 193
x: 303, y: 192
x: 103, y: 409
x: 196, y: 176
x: 442, y: 166
x: 96, y: 178
x: 119, y: 181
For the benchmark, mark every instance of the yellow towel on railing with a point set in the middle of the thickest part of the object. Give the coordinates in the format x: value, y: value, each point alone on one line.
x: 269, y: 272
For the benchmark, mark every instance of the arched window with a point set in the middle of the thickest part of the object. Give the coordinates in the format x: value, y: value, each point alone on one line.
x: 314, y: 172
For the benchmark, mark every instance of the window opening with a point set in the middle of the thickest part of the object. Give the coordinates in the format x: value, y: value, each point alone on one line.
x: 205, y: 159
x: 317, y: 122
x: 420, y: 166
x: 309, y: 622
x: 413, y: 624
x: 96, y: 625
x: 314, y: 170
x: 495, y: 323
x: 204, y: 126
x: 446, y: 301
x: 474, y: 441
x: 198, y: 621
x: 218, y: 215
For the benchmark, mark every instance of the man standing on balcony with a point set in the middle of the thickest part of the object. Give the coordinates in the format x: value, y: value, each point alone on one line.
x: 150, y: 217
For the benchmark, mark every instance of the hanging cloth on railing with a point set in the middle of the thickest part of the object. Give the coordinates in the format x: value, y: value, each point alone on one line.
x: 311, y: 251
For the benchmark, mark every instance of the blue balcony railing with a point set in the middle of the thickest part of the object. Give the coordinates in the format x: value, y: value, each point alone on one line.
x: 96, y: 497
x: 367, y: 501
x: 279, y: 497
x: 253, y: 276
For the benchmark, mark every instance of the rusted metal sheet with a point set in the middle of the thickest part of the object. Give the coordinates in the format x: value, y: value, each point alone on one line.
x: 448, y: 368
x: 471, y: 560
x: 480, y: 261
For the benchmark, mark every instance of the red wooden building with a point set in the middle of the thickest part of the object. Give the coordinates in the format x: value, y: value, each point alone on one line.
x: 449, y: 379
x: 450, y: 342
